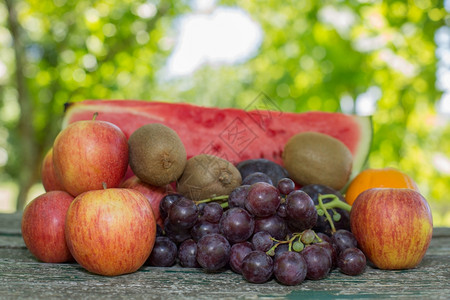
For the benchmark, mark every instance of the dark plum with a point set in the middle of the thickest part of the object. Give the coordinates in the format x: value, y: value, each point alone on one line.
x: 274, y: 170
x: 257, y: 177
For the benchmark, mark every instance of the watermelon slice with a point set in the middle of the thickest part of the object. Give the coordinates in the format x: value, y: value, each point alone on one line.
x: 233, y: 134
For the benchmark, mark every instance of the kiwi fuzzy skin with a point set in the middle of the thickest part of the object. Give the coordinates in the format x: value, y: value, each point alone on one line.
x: 317, y: 158
x: 157, y: 154
x: 206, y: 176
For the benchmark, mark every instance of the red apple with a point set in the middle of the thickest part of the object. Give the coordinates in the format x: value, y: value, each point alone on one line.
x: 87, y: 154
x: 49, y: 179
x: 111, y: 231
x: 43, y: 227
x: 393, y: 226
x: 154, y: 194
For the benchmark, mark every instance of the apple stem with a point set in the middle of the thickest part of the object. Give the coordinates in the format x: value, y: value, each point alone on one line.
x: 104, y: 185
x: 94, y: 116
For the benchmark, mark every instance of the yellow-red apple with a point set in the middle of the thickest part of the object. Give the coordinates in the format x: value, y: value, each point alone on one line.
x: 89, y: 154
x: 154, y: 194
x: 393, y: 226
x: 43, y: 227
x: 49, y: 179
x: 111, y: 231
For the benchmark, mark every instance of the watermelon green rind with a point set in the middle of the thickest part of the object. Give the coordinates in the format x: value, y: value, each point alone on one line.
x: 215, y: 131
x: 364, y: 146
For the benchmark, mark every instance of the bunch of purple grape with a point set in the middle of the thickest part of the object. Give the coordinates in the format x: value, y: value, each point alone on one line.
x: 260, y: 231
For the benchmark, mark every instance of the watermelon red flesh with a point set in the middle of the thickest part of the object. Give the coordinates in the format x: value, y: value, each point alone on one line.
x: 230, y: 133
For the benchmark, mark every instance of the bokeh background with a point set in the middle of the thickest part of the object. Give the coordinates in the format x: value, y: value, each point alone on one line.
x: 387, y: 59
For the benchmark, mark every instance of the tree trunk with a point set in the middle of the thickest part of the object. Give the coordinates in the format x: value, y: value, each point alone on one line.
x: 27, y: 151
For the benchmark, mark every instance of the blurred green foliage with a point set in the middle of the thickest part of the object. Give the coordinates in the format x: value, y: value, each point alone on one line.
x: 59, y: 51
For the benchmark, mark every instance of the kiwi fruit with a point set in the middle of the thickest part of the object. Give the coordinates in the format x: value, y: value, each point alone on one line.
x: 317, y: 158
x: 156, y: 154
x: 206, y: 176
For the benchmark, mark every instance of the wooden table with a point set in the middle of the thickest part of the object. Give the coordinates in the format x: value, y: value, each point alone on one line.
x: 22, y: 276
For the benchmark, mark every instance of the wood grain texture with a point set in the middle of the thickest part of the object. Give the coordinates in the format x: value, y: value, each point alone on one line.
x: 23, y: 277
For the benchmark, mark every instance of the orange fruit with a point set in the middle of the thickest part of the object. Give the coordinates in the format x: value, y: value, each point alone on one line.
x: 378, y: 178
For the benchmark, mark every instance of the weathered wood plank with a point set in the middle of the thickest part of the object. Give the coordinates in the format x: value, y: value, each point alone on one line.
x: 30, y: 278
x: 21, y: 276
x: 10, y: 223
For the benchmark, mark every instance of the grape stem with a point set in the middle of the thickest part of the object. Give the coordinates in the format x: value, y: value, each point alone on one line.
x: 335, y: 203
x: 290, y: 242
x: 221, y: 198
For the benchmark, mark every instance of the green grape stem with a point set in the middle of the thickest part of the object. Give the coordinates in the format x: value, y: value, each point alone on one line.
x: 290, y: 240
x: 212, y: 199
x: 335, y: 203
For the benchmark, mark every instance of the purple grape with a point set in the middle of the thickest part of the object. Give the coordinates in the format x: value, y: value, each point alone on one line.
x: 262, y: 200
x: 212, y: 212
x: 324, y: 237
x: 176, y: 234
x: 187, y: 254
x: 280, y: 249
x: 286, y: 186
x: 183, y: 213
x: 274, y: 225
x: 159, y: 230
x: 202, y: 228
x: 257, y: 177
x: 166, y: 203
x: 262, y: 241
x: 164, y: 253
x: 257, y: 267
x: 237, y: 225
x: 238, y: 252
x: 344, y: 239
x: 281, y: 211
x: 213, y: 252
x: 290, y: 268
x: 318, y: 262
x: 352, y: 261
x: 301, y: 212
x: 237, y: 196
x: 332, y: 251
